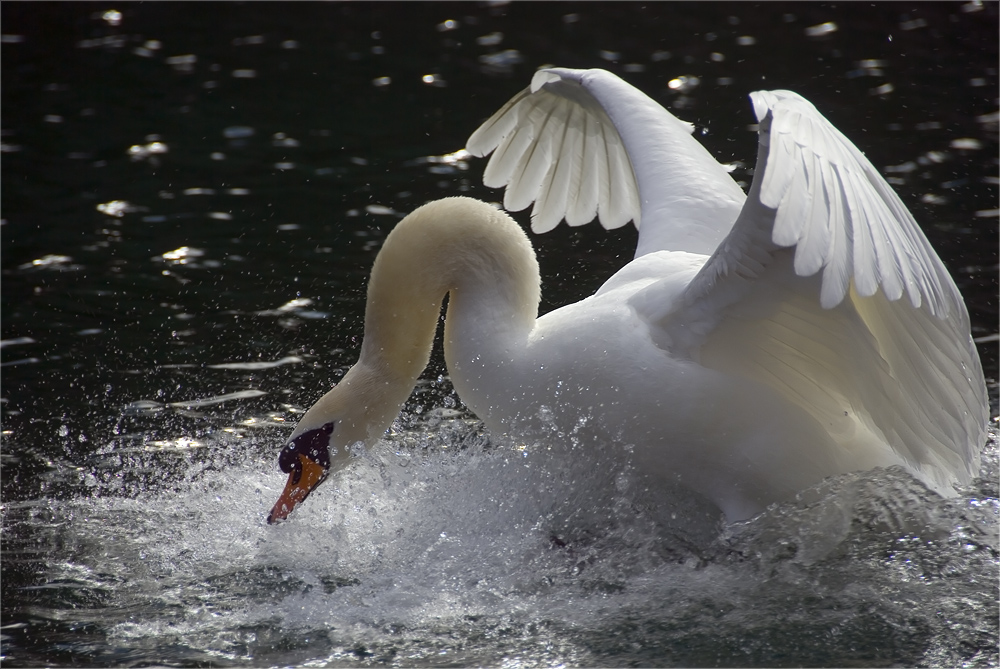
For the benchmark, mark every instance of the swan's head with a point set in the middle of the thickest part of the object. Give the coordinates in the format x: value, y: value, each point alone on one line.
x: 306, y: 460
x: 359, y: 409
x: 321, y: 441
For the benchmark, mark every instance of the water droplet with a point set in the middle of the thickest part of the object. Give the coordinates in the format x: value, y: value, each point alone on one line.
x: 821, y: 29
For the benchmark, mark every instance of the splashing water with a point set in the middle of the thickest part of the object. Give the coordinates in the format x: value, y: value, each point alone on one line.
x: 442, y: 547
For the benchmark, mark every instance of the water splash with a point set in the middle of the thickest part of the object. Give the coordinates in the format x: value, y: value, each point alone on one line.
x: 442, y: 546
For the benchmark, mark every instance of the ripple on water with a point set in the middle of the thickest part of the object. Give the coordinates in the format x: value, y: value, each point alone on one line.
x: 442, y: 546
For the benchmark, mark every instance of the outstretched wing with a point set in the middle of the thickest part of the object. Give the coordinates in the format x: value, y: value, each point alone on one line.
x: 555, y: 145
x: 804, y: 296
x: 583, y: 143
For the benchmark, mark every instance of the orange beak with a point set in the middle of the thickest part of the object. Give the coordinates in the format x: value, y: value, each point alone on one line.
x: 302, y: 481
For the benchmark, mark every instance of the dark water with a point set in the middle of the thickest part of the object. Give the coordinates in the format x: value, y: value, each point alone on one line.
x: 192, y: 196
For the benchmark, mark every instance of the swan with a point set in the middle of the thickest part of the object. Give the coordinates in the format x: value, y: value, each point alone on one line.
x: 756, y: 343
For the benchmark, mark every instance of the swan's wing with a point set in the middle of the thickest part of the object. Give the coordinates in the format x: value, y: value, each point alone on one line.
x: 555, y: 146
x: 804, y: 296
x: 583, y: 143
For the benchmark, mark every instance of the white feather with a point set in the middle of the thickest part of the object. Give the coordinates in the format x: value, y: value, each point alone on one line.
x: 607, y: 125
x: 795, y: 289
x: 755, y: 345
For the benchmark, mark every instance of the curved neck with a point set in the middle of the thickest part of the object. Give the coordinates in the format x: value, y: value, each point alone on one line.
x: 457, y: 246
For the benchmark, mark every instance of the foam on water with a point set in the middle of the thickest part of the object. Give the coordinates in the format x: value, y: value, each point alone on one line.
x: 439, y: 547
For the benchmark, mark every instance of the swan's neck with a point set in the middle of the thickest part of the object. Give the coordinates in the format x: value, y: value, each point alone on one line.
x: 455, y: 246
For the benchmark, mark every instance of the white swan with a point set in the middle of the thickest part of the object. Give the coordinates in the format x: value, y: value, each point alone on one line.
x: 755, y: 344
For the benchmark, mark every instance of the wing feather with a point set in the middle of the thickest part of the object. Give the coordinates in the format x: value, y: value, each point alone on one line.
x: 583, y: 207
x: 536, y: 161
x: 497, y: 127
x: 805, y: 297
x: 551, y: 202
x: 886, y: 246
x: 866, y: 277
x: 571, y: 142
x: 555, y: 145
x: 615, y: 206
x: 500, y: 170
x: 837, y: 271
x: 815, y: 239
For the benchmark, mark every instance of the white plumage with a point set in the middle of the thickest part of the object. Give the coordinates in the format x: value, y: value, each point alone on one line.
x: 756, y: 344
x: 912, y: 366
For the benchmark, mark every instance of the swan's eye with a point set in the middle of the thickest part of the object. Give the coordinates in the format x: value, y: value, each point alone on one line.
x: 314, y: 444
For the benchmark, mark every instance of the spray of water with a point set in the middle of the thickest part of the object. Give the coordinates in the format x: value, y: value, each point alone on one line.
x: 441, y: 546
